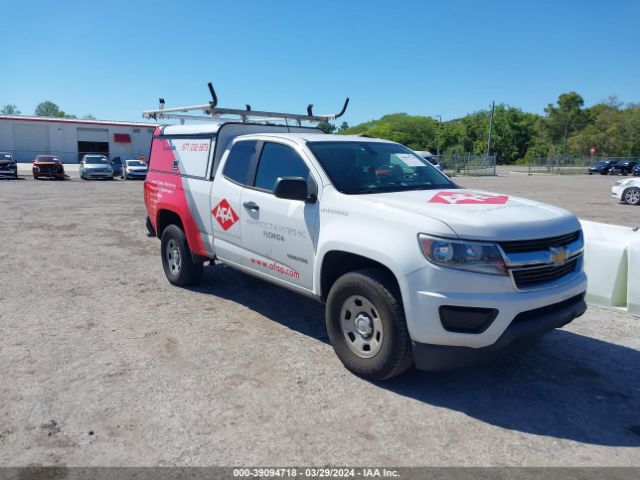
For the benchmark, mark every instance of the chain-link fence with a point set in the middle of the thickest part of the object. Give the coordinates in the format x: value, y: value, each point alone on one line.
x: 467, y: 164
x: 569, y: 165
x: 25, y: 156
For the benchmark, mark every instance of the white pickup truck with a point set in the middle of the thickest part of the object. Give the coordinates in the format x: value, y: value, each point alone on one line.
x: 414, y: 270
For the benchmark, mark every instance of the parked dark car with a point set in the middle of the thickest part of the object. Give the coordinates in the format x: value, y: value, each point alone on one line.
x: 48, y: 166
x: 8, y: 166
x: 636, y: 171
x: 623, y: 168
x: 116, y: 166
x: 602, y: 167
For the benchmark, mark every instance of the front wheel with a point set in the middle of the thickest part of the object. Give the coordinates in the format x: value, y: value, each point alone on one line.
x: 631, y: 196
x: 177, y: 261
x: 366, y: 325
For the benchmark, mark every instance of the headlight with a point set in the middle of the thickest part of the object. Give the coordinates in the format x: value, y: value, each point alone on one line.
x: 480, y: 257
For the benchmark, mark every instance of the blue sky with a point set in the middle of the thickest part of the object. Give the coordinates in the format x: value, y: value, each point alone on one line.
x: 114, y: 59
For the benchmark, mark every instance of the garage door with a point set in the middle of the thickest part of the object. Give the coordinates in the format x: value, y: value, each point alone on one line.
x: 30, y: 140
x: 93, y: 135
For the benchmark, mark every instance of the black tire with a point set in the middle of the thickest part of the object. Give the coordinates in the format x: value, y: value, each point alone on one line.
x: 35, y: 177
x: 379, y: 289
x: 631, y: 196
x: 186, y: 271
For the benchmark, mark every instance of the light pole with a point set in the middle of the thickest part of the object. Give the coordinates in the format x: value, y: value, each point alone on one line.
x: 439, y: 117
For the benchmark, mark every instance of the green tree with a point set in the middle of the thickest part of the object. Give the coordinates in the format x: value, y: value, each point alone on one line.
x: 327, y: 127
x: 566, y: 117
x: 88, y: 117
x: 343, y: 127
x: 50, y: 109
x: 10, y: 109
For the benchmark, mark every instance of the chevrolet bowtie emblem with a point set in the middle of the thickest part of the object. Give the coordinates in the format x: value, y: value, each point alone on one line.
x: 558, y: 255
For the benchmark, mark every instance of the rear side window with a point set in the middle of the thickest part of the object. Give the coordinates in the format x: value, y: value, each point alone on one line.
x: 278, y: 161
x: 181, y: 155
x: 238, y: 165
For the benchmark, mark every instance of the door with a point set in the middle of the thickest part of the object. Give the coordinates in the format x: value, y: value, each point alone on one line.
x: 226, y: 211
x: 279, y: 236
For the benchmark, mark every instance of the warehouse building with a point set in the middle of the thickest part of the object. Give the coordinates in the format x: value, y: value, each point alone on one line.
x: 70, y: 139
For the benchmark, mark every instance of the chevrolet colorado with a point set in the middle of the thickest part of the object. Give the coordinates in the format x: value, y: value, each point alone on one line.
x: 414, y: 269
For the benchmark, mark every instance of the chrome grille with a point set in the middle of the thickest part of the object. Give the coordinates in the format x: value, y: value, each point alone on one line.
x: 531, y: 277
x: 543, y: 263
x: 540, y: 244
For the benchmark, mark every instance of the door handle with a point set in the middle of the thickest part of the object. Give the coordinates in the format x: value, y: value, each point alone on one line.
x: 251, y: 206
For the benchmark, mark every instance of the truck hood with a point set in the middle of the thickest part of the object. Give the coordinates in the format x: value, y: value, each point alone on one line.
x: 481, y: 215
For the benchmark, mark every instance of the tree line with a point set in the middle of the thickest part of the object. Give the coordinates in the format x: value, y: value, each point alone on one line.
x: 566, y: 128
x: 43, y: 109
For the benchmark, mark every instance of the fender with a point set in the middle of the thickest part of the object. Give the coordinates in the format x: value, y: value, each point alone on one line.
x: 378, y: 256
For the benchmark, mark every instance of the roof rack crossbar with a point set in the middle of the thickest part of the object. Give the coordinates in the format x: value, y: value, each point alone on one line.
x: 211, y: 110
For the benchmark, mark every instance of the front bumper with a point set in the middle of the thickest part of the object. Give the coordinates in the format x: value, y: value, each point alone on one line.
x: 98, y: 174
x: 617, y: 191
x: 429, y: 288
x: 8, y: 172
x: 524, y: 331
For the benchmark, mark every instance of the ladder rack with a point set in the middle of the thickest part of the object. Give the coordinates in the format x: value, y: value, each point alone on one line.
x: 211, y: 110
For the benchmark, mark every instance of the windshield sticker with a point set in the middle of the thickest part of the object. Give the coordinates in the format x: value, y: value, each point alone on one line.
x: 410, y: 159
x: 465, y: 198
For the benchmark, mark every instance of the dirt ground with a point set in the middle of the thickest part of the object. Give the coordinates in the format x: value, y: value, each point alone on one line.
x: 104, y: 363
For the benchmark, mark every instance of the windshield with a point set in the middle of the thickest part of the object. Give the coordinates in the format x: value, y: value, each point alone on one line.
x: 96, y: 160
x: 46, y: 158
x: 136, y: 163
x: 376, y: 167
x: 5, y: 156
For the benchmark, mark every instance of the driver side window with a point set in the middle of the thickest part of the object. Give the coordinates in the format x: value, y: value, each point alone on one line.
x: 277, y: 161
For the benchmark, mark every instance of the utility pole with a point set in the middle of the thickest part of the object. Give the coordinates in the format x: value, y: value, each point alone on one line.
x: 439, y: 117
x: 493, y: 106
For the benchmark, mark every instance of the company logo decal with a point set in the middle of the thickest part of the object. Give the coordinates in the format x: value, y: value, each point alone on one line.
x: 466, y: 198
x: 224, y: 214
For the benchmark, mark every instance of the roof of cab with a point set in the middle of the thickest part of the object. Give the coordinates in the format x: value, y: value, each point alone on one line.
x: 319, y: 137
x: 310, y: 136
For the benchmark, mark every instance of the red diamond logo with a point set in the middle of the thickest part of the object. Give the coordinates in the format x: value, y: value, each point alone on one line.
x: 468, y: 198
x: 225, y: 215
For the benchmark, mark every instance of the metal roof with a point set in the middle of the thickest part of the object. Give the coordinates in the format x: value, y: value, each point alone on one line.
x: 116, y: 123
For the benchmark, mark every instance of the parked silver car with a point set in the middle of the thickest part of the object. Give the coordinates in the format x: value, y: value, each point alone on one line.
x: 95, y: 166
x: 134, y: 169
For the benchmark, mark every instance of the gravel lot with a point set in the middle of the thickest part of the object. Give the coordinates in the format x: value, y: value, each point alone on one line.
x: 104, y: 363
x: 588, y: 196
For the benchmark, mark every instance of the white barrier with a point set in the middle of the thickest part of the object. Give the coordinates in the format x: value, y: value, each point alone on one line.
x: 612, y: 264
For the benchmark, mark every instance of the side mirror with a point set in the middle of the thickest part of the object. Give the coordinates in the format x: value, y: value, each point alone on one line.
x: 293, y: 188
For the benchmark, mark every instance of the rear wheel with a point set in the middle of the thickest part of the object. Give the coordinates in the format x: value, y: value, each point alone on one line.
x: 366, y: 325
x: 177, y: 261
x: 631, y: 196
